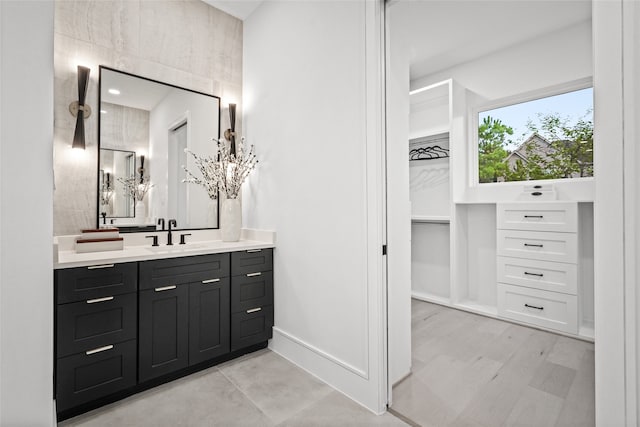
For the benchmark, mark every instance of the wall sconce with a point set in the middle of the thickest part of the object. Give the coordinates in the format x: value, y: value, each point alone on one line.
x: 79, y: 109
x: 141, y: 169
x: 230, y: 134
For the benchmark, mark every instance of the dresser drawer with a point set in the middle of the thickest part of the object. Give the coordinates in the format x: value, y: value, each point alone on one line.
x: 550, y: 276
x: 85, y: 377
x: 251, y: 290
x: 251, y: 327
x: 251, y: 261
x: 542, y: 308
x: 175, y: 271
x: 95, y: 323
x: 96, y: 281
x: 539, y: 216
x: 540, y: 245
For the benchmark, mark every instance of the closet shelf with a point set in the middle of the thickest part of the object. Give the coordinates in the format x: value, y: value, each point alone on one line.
x: 431, y: 219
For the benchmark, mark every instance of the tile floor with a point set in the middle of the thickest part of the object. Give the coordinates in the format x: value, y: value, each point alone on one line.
x: 260, y: 389
x: 470, y: 370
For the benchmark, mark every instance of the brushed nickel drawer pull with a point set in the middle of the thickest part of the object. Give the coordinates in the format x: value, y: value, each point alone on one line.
x: 93, y: 301
x: 165, y: 288
x: 210, y: 281
x: 533, y: 306
x: 253, y: 310
x: 99, y: 350
x: 254, y: 274
x: 534, y: 216
x: 534, y: 274
x: 253, y: 251
x: 93, y: 267
x: 533, y: 246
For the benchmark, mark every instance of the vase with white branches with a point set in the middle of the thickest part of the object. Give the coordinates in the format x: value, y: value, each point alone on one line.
x: 137, y: 187
x: 225, y: 173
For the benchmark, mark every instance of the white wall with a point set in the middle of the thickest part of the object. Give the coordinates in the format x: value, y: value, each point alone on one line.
x: 26, y: 210
x: 318, y: 185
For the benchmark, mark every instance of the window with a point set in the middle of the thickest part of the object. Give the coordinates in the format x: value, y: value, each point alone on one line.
x: 546, y: 138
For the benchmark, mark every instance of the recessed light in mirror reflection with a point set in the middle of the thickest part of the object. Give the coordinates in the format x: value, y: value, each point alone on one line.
x: 114, y: 91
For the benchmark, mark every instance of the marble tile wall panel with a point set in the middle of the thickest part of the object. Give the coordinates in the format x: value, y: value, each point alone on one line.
x: 186, y: 43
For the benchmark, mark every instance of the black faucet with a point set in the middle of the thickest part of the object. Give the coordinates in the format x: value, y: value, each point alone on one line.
x: 161, y: 222
x: 172, y: 222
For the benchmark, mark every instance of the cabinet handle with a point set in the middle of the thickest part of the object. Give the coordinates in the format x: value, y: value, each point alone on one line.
x: 93, y: 267
x: 534, y: 216
x: 93, y: 301
x: 165, y: 288
x: 253, y: 310
x: 533, y: 306
x: 253, y: 251
x: 534, y: 274
x: 210, y: 281
x: 99, y: 350
x: 254, y: 274
x: 533, y: 246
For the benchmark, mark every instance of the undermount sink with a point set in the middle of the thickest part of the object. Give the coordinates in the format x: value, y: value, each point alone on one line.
x: 165, y: 249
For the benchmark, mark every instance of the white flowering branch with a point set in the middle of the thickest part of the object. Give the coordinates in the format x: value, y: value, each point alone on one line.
x: 227, y: 174
x: 137, y: 188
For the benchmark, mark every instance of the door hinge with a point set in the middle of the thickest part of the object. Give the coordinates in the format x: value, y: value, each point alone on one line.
x: 384, y: 249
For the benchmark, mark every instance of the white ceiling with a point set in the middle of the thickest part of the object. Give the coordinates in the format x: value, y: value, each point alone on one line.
x: 241, y: 9
x: 444, y: 33
x: 134, y: 92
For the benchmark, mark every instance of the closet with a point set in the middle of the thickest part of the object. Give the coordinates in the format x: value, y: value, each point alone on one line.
x: 460, y: 243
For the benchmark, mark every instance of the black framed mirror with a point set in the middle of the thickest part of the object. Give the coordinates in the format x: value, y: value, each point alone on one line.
x: 156, y: 122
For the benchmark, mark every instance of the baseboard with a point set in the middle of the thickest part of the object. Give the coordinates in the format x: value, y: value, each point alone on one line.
x: 306, y: 345
x: 353, y: 382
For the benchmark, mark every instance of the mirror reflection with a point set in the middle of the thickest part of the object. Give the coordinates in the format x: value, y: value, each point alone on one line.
x: 150, y: 124
x: 115, y: 165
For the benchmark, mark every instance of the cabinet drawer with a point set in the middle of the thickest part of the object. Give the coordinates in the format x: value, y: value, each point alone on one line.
x: 543, y: 308
x: 251, y: 290
x: 541, y: 245
x: 251, y: 327
x: 94, y: 323
x: 175, y: 271
x: 251, y: 261
x: 85, y: 377
x: 84, y: 283
x: 561, y: 217
x: 550, y: 276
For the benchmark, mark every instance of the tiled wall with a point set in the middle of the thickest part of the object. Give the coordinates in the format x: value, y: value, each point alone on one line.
x: 186, y: 43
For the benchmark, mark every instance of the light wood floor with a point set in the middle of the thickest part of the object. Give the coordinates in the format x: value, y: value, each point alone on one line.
x: 470, y: 370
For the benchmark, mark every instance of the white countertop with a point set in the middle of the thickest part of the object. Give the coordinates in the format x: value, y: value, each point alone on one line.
x: 138, y: 248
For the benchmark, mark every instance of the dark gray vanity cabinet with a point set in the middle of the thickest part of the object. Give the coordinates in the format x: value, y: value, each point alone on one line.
x: 251, y: 297
x: 184, y: 313
x: 96, y: 329
x: 123, y: 328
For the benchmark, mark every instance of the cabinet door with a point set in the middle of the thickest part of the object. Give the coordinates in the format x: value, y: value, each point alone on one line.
x: 209, y: 330
x: 163, y: 331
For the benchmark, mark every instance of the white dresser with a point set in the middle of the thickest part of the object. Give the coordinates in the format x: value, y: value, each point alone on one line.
x: 537, y: 263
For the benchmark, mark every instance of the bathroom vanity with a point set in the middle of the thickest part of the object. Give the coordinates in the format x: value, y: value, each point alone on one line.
x: 129, y: 320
